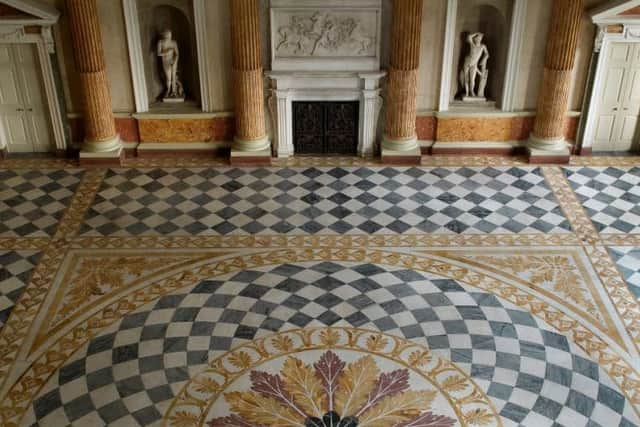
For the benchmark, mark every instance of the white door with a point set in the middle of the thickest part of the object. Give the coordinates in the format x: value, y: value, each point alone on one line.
x: 630, y: 104
x: 23, y: 112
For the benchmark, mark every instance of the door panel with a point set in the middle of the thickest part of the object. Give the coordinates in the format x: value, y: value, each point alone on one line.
x: 604, y: 129
x: 17, y: 133
x: 5, y: 55
x: 628, y: 129
x: 620, y: 52
x: 22, y: 101
x: 612, y: 89
x: 9, y: 88
x: 40, y: 129
x: 631, y: 103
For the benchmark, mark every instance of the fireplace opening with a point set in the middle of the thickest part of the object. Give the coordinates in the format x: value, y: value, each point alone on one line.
x: 325, y: 127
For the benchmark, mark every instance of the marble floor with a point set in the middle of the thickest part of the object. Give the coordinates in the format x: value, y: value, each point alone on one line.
x: 320, y: 292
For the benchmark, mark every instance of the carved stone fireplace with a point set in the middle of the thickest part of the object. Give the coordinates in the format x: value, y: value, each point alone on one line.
x: 325, y: 50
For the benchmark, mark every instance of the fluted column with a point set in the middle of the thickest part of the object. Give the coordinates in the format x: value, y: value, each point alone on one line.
x: 402, y: 90
x: 547, y: 138
x: 251, y: 137
x: 101, y: 138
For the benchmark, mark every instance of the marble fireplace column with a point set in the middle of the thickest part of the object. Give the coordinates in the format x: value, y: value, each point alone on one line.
x: 251, y: 144
x: 102, y: 143
x: 547, y: 143
x: 400, y: 142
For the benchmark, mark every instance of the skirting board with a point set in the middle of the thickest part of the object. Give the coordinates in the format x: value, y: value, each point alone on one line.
x: 478, y: 148
x: 181, y: 149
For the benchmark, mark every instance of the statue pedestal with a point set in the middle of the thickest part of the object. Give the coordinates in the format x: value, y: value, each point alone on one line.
x: 173, y: 100
x: 474, y: 99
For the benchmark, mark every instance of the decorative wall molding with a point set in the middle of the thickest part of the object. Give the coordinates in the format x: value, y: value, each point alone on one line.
x: 48, y: 78
x: 134, y: 43
x: 11, y: 33
x: 447, y: 55
x: 43, y: 14
x: 513, y: 56
x: 202, y: 44
x: 610, y: 12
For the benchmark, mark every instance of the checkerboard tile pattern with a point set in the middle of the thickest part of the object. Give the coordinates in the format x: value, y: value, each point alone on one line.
x: 628, y: 261
x: 339, y: 200
x: 15, y: 271
x: 610, y: 196
x: 129, y: 374
x: 33, y: 202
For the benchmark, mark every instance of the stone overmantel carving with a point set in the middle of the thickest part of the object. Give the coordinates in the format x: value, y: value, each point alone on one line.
x: 325, y: 50
x: 310, y: 35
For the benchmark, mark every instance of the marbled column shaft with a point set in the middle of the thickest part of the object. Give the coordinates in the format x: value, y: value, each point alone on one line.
x: 402, y: 88
x: 89, y: 58
x: 247, y: 70
x: 562, y: 43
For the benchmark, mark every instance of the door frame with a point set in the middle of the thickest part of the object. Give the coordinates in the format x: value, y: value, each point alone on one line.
x: 38, y: 31
x: 612, y: 28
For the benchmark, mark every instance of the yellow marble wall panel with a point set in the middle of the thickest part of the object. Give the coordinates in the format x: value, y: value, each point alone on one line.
x: 186, y: 130
x: 474, y: 129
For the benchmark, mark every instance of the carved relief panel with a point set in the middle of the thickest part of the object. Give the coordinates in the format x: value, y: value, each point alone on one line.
x: 310, y: 35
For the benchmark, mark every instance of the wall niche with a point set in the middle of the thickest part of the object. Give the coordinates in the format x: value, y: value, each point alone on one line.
x: 157, y: 16
x: 491, y: 18
x: 500, y: 22
x: 146, y: 22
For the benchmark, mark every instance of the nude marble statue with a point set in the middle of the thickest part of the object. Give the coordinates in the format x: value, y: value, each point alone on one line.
x: 474, y: 67
x: 169, y: 53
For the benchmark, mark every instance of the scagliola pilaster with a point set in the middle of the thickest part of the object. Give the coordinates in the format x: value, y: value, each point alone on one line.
x: 248, y: 84
x: 100, y: 128
x: 402, y: 90
x: 562, y: 43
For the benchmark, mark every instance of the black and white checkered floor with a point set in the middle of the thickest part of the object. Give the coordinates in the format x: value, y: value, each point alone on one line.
x: 159, y: 296
x: 323, y: 200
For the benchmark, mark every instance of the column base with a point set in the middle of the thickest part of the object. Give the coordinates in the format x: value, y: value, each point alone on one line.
x: 251, y: 145
x: 104, y: 158
x: 410, y: 157
x: 554, y: 151
x: 104, y: 146
x: 251, y: 158
x: 401, y: 151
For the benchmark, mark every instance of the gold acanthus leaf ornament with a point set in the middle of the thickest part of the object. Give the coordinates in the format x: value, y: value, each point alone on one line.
x: 557, y: 271
x: 99, y: 276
